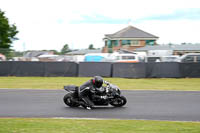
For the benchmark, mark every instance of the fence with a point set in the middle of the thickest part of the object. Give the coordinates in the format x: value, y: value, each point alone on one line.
x: 105, y: 69
x: 20, y: 68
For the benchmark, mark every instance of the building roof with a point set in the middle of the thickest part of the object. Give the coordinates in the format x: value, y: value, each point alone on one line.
x: 130, y: 32
x: 185, y: 47
x: 30, y: 54
x: 84, y: 51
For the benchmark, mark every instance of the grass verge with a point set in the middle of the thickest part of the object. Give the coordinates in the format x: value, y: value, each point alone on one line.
x: 42, y: 125
x: 186, y: 84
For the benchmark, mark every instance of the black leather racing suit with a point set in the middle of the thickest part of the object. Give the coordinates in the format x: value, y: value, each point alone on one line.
x: 85, y: 91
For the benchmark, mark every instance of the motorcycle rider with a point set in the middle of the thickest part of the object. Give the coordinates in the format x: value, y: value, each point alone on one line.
x: 88, y: 88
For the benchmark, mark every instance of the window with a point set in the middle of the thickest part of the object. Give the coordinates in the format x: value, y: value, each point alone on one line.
x: 189, y: 59
x: 128, y: 57
x: 150, y: 42
x: 115, y: 42
x: 109, y: 44
x: 126, y: 42
x: 130, y: 42
x: 135, y: 42
x: 152, y: 59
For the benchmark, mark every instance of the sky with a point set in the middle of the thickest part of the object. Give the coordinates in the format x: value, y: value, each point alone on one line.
x: 50, y: 24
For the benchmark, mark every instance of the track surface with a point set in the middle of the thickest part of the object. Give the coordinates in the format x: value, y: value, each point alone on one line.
x: 151, y: 105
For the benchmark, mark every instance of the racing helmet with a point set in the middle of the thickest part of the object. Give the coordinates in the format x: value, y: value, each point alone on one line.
x: 97, y: 81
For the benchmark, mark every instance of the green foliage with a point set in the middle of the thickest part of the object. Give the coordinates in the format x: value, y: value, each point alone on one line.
x: 7, y: 34
x: 91, y: 46
x: 65, y: 49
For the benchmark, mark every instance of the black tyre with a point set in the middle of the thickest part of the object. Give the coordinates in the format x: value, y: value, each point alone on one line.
x: 68, y: 100
x: 119, y: 101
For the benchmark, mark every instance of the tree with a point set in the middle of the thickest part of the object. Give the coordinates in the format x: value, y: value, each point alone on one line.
x: 91, y: 46
x: 7, y: 34
x: 65, y: 49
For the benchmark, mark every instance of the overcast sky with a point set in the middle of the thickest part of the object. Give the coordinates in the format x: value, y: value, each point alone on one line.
x: 49, y: 24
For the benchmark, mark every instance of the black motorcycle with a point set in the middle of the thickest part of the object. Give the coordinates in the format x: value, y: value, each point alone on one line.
x: 109, y: 94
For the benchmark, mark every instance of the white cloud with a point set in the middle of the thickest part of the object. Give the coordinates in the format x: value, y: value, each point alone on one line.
x: 47, y: 24
x: 177, y: 32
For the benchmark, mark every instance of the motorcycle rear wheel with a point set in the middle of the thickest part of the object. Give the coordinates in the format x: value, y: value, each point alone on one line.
x: 68, y: 100
x: 119, y: 101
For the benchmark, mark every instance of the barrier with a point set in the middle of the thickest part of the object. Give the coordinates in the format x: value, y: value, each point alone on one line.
x: 5, y: 68
x: 129, y: 70
x: 105, y: 69
x: 90, y: 69
x: 22, y: 68
x: 163, y: 70
x: 190, y: 70
x: 64, y: 69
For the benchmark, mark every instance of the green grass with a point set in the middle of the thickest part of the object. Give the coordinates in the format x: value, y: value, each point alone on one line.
x: 185, y: 84
x: 42, y: 125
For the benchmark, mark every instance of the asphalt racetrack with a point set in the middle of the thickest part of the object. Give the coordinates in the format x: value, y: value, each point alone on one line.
x: 148, y: 105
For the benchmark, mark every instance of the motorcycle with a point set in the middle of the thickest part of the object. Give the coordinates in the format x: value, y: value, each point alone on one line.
x: 109, y: 94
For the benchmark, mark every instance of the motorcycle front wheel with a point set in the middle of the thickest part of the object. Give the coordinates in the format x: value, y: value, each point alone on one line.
x: 119, y: 101
x: 68, y: 100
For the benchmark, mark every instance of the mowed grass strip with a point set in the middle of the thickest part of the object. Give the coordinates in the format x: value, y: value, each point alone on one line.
x: 129, y: 84
x: 43, y: 125
x: 185, y: 84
